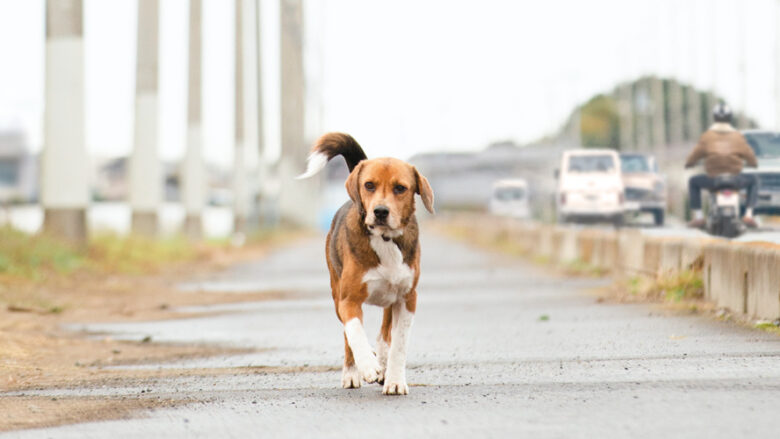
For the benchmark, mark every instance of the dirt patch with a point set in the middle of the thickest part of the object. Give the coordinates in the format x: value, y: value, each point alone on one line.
x: 23, y: 412
x: 36, y: 353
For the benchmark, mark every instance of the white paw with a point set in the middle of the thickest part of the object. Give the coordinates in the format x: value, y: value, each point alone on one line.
x: 382, y: 349
x: 350, y: 378
x: 395, y: 387
x: 371, y: 370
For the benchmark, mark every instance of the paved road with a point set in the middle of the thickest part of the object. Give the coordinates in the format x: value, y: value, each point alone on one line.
x: 500, y: 348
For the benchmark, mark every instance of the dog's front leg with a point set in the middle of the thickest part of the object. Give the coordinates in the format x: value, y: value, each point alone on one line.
x: 395, y: 375
x: 367, y: 364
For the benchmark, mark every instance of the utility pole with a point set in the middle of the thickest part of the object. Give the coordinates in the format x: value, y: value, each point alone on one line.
x: 675, y: 113
x: 777, y: 64
x: 742, y: 120
x: 193, y: 178
x: 626, y: 114
x: 297, y: 198
x: 659, y: 114
x: 644, y: 117
x: 674, y: 92
x: 145, y: 170
x: 262, y: 169
x: 240, y: 186
x: 64, y: 163
x: 694, y: 112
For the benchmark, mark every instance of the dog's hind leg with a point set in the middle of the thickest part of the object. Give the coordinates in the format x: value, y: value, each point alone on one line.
x: 395, y: 375
x: 383, y: 342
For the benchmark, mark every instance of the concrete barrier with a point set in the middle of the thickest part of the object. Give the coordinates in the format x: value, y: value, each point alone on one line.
x: 669, y: 257
x: 568, y: 251
x: 631, y: 247
x: 743, y: 278
x: 763, y: 283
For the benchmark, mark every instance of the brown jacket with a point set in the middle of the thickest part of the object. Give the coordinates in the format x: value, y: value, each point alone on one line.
x: 724, y: 151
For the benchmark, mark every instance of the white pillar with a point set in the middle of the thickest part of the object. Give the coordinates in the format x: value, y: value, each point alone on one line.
x: 64, y: 164
x: 297, y: 198
x: 777, y: 65
x: 693, y: 113
x: 145, y: 170
x: 193, y: 173
x: 263, y: 203
x: 240, y: 183
x: 675, y: 113
x: 643, y: 116
x: 626, y: 113
x: 659, y: 114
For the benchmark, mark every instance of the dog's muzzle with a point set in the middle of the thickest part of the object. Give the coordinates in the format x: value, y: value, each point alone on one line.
x: 381, y: 213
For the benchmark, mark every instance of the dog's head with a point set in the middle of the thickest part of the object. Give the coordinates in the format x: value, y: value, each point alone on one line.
x: 384, y: 189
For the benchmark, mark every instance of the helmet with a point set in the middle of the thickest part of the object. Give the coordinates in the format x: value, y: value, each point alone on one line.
x: 722, y: 113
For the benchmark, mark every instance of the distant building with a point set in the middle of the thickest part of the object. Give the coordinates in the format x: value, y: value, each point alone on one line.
x: 18, y: 169
x: 110, y: 180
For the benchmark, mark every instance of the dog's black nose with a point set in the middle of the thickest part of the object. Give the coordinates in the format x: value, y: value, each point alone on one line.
x: 381, y: 212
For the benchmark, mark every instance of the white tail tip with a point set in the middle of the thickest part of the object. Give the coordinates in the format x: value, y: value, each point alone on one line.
x: 314, y: 164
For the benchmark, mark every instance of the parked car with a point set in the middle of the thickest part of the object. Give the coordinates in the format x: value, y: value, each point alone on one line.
x: 510, y: 198
x: 590, y: 186
x: 645, y: 188
x: 766, y: 145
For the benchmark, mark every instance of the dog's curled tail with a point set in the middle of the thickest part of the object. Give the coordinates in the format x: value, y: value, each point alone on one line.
x: 330, y: 145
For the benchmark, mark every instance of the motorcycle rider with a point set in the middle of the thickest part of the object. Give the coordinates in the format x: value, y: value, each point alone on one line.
x: 724, y: 151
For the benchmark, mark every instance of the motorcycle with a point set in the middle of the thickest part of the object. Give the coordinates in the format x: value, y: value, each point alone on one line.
x: 723, y: 218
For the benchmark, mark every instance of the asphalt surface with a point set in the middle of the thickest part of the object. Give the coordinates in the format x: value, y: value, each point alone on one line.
x: 499, y: 348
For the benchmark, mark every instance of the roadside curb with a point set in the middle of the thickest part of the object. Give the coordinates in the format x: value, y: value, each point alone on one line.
x: 743, y: 277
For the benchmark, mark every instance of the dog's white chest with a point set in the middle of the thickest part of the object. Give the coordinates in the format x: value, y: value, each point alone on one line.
x: 391, y: 279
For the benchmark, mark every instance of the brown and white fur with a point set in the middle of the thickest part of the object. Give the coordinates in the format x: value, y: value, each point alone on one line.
x: 373, y: 256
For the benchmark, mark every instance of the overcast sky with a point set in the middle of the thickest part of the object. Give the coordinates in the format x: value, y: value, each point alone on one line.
x: 406, y: 76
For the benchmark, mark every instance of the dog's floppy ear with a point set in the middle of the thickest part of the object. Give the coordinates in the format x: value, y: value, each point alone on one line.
x: 425, y: 191
x: 353, y: 185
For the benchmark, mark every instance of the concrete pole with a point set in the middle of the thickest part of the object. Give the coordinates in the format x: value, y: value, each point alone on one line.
x: 693, y: 98
x: 643, y: 120
x: 675, y: 113
x: 742, y: 119
x: 693, y: 113
x: 64, y: 163
x: 659, y: 114
x: 262, y: 168
x: 297, y: 198
x: 193, y: 178
x: 674, y: 92
x: 626, y: 108
x: 145, y: 170
x: 776, y: 51
x: 240, y: 187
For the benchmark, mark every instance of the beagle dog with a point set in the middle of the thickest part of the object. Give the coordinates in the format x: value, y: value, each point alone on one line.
x: 373, y: 256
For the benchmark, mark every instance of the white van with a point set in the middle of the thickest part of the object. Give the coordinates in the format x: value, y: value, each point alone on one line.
x: 590, y: 186
x: 510, y: 198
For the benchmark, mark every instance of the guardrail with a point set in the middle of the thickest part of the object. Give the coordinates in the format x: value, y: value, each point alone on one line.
x: 743, y: 277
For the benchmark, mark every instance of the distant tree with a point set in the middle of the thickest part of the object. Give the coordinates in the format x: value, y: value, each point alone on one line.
x: 600, y: 123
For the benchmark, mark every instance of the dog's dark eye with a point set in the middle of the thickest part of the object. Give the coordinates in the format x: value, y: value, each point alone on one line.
x: 369, y: 186
x: 398, y: 189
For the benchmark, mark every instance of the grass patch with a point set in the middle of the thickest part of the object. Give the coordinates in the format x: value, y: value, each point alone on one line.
x: 36, y: 257
x: 578, y: 267
x: 684, y: 286
x: 768, y: 326
x: 22, y: 255
x: 136, y: 255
